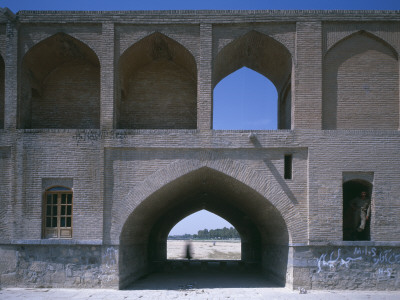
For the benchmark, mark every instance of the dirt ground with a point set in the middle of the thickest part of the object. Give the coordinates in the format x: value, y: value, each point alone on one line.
x: 219, y: 250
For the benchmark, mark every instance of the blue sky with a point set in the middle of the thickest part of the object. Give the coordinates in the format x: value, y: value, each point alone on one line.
x: 240, y: 88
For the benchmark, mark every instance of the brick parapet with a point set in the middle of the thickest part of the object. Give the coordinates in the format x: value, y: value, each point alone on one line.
x: 208, y: 16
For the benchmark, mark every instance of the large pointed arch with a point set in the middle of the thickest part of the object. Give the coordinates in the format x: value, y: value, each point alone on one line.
x: 361, y: 84
x: 150, y: 211
x: 60, y: 77
x: 158, y: 85
x: 264, y: 55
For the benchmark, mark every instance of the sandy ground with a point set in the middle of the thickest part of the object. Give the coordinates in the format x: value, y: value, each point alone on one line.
x: 219, y: 250
x: 227, y: 293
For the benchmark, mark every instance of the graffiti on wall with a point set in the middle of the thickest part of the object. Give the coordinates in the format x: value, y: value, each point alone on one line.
x: 95, y: 135
x: 384, y: 262
x: 110, y: 257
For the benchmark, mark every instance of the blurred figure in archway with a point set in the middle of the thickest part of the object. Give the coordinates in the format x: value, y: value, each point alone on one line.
x: 188, y: 250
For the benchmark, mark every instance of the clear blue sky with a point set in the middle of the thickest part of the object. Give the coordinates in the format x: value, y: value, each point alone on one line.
x: 235, y: 87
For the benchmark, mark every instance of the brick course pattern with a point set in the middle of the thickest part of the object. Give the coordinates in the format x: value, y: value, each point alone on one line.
x: 117, y: 106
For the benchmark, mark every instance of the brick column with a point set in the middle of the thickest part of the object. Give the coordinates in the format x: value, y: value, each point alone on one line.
x: 107, y: 78
x: 204, y: 90
x: 307, y: 103
x: 11, y: 65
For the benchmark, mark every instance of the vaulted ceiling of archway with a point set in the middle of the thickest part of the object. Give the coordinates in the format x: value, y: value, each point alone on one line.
x: 55, y: 51
x: 258, y: 52
x: 152, y: 48
x: 248, y: 211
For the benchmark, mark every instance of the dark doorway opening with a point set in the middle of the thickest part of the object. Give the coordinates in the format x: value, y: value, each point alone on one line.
x: 351, y: 190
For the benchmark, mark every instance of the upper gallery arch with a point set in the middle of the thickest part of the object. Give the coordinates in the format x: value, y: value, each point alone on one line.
x: 258, y: 52
x: 60, y: 75
x: 370, y: 100
x: 365, y: 34
x: 158, y: 85
x: 266, y: 56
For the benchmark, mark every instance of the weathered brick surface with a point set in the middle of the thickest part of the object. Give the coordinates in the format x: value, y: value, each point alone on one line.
x: 117, y: 106
x: 361, y: 84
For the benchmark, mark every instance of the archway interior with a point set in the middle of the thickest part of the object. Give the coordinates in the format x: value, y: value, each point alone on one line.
x: 158, y: 85
x: 60, y: 78
x: 204, y: 236
x: 245, y: 100
x: 351, y: 190
x: 263, y: 232
x: 266, y: 56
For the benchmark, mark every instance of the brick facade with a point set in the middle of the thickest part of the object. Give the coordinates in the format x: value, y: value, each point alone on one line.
x: 117, y: 106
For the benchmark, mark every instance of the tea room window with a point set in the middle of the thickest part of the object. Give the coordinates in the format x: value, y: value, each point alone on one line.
x: 58, y: 212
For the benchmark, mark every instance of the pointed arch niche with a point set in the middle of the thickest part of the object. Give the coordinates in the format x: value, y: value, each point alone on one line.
x: 361, y: 84
x: 60, y: 85
x: 158, y: 85
x: 266, y: 56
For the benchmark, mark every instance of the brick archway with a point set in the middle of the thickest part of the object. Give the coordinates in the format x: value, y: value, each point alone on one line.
x: 266, y: 226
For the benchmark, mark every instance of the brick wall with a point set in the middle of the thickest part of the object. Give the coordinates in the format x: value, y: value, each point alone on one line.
x: 1, y: 93
x: 146, y: 79
x: 361, y: 84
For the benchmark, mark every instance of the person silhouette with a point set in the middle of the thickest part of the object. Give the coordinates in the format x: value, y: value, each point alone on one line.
x: 188, y: 251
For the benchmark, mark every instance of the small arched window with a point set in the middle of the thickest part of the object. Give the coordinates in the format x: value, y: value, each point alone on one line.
x: 57, y: 219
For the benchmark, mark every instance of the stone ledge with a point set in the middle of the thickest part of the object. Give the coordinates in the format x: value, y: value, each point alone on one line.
x: 55, y: 242
x: 350, y: 244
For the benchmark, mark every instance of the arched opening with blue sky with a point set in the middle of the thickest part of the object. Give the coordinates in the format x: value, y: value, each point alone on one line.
x: 245, y: 100
x: 231, y: 82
